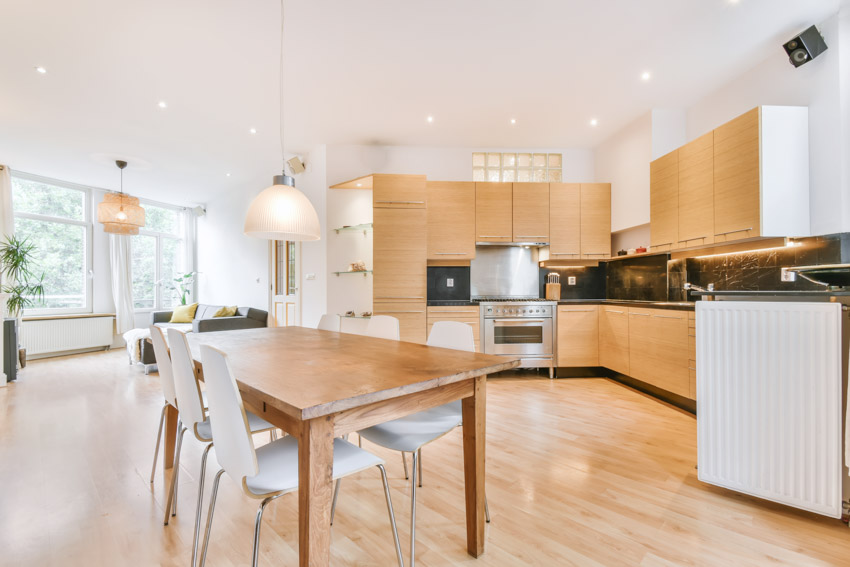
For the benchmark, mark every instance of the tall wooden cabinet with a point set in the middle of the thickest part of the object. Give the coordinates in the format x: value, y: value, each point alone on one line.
x: 565, y: 221
x: 736, y: 178
x: 664, y: 202
x: 530, y: 212
x: 493, y: 212
x: 595, y: 220
x: 451, y: 220
x: 696, y: 192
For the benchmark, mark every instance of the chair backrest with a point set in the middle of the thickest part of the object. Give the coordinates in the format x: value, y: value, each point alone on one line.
x: 189, y: 398
x: 163, y: 365
x: 452, y: 334
x: 329, y: 322
x: 383, y: 327
x: 234, y: 448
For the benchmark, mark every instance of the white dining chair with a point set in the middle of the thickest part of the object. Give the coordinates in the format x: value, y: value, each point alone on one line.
x: 410, y: 433
x: 383, y: 327
x: 270, y: 471
x: 193, y: 416
x: 166, y: 382
x: 329, y: 322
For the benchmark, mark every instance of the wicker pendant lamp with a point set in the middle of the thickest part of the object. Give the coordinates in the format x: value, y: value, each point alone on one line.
x: 282, y: 212
x: 120, y: 213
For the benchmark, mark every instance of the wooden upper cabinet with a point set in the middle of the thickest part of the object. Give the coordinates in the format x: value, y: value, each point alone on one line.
x: 493, y: 212
x: 664, y: 202
x: 398, y: 244
x: 737, y: 206
x: 564, y: 221
x: 451, y: 220
x: 531, y: 212
x: 595, y: 220
x: 398, y: 191
x: 696, y: 192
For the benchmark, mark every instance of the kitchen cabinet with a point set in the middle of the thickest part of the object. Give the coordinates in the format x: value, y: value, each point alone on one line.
x: 530, y: 212
x: 565, y: 221
x: 465, y: 314
x: 399, y: 272
x: 664, y: 202
x: 451, y: 220
x: 658, y: 349
x: 595, y: 220
x: 493, y: 212
x: 736, y: 178
x: 614, y: 338
x: 578, y: 335
x: 696, y: 192
x: 398, y: 191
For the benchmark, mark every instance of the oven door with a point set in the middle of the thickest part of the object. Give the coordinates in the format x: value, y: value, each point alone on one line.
x: 518, y: 336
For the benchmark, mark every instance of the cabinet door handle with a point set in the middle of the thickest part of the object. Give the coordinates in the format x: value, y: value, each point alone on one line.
x: 692, y: 368
x: 613, y: 311
x: 380, y: 312
x: 667, y: 317
x: 639, y: 314
x: 403, y: 202
x: 494, y: 236
x: 690, y: 335
x: 733, y: 231
x: 450, y: 253
x: 391, y: 297
x: 661, y: 244
x: 564, y: 254
x: 531, y: 236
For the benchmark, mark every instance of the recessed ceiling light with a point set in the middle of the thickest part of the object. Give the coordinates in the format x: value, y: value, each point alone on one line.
x: 645, y: 76
x: 594, y: 122
x: 359, y: 184
x: 513, y: 120
x: 162, y: 104
x: 430, y: 119
x: 41, y: 70
x: 227, y: 174
x: 253, y: 130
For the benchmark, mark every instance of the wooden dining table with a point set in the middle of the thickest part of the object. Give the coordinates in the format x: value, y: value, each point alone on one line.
x: 317, y: 385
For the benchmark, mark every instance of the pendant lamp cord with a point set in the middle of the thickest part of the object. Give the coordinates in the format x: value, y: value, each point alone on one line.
x: 280, y: 90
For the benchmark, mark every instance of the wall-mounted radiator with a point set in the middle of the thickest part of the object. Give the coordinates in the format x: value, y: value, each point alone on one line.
x: 47, y: 336
x: 769, y: 401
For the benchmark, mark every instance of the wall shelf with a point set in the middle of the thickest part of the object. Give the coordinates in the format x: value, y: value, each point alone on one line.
x: 364, y: 272
x: 356, y: 316
x: 359, y: 227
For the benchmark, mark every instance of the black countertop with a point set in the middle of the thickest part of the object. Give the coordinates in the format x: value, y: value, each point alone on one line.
x: 687, y: 306
x: 768, y: 293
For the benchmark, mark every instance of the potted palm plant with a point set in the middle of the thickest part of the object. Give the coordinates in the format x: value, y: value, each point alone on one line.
x: 17, y: 281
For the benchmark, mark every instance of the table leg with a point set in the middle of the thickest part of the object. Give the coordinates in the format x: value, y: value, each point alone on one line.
x: 170, y: 437
x: 315, y: 491
x: 473, y: 465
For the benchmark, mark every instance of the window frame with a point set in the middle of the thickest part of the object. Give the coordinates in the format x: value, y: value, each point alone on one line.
x: 86, y: 223
x: 158, y: 287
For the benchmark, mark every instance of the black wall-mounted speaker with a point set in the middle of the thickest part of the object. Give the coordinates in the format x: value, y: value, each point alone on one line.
x: 805, y: 47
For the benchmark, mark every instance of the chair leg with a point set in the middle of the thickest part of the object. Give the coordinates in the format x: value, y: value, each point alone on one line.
x: 392, y: 515
x: 210, y: 517
x: 171, y: 500
x: 413, y: 510
x: 158, y: 439
x: 273, y: 435
x: 420, y: 466
x: 486, y: 509
x: 404, y: 460
x: 200, y: 501
x: 257, y: 526
x: 336, y: 495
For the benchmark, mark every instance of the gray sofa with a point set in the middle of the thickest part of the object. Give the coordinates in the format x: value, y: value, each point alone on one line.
x: 204, y: 322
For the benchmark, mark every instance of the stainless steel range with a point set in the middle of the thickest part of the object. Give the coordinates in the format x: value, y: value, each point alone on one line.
x: 521, y: 328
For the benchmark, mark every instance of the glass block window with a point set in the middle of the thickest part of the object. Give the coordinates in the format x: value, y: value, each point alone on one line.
x: 509, y: 167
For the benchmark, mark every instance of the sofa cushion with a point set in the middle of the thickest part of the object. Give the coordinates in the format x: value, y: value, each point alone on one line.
x: 226, y: 311
x: 206, y: 311
x: 184, y: 313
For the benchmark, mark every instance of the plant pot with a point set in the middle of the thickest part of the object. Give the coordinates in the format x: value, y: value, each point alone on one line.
x: 22, y: 357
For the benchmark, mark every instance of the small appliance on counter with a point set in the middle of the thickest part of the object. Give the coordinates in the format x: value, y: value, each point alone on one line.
x: 553, y: 286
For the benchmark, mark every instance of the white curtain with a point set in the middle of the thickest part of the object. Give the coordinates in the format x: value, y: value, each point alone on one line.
x: 7, y: 221
x: 121, y: 260
x: 189, y: 248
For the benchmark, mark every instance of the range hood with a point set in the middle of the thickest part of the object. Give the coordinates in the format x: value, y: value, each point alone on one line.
x: 535, y: 244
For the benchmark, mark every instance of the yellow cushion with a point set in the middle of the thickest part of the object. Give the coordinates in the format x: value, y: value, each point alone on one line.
x: 184, y: 313
x: 226, y: 312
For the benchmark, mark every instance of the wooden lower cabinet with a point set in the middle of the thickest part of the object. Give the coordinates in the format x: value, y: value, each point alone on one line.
x: 463, y: 314
x: 411, y: 318
x: 658, y: 349
x: 578, y: 335
x: 614, y: 338
x: 692, y: 354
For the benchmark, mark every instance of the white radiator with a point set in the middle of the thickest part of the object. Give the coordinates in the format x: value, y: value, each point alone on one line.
x: 46, y: 336
x: 769, y: 401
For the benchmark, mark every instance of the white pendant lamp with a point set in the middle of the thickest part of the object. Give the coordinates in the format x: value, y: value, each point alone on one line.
x: 282, y: 212
x: 120, y: 213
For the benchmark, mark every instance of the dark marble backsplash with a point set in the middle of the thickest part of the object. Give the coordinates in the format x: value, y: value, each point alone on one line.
x: 590, y: 282
x: 640, y: 278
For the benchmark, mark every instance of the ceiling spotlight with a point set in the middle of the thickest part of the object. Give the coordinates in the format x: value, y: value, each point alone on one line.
x: 513, y: 120
x: 594, y: 122
x: 253, y: 130
x: 41, y: 70
x: 359, y: 184
x: 430, y: 119
x: 162, y: 104
x: 227, y: 174
x: 645, y: 76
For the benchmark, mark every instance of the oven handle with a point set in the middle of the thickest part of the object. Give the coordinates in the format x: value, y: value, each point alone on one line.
x: 515, y: 322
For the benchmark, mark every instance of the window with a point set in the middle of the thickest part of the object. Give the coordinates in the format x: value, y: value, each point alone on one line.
x: 158, y: 258
x: 491, y: 166
x: 285, y: 273
x: 55, y: 218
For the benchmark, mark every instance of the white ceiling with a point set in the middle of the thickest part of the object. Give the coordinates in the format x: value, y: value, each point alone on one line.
x: 366, y: 71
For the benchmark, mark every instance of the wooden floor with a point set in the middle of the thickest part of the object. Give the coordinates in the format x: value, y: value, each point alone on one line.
x: 585, y: 472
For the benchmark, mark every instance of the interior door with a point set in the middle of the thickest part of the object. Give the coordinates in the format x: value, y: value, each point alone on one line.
x: 286, y: 296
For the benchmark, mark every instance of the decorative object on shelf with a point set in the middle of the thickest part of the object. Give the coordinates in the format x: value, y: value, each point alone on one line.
x: 621, y: 252
x: 120, y: 213
x: 640, y: 249
x: 358, y: 266
x: 365, y: 227
x: 631, y: 251
x: 350, y: 314
x: 282, y: 212
x: 366, y: 314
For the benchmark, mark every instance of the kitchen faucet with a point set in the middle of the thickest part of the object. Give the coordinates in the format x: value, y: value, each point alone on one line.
x: 689, y: 286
